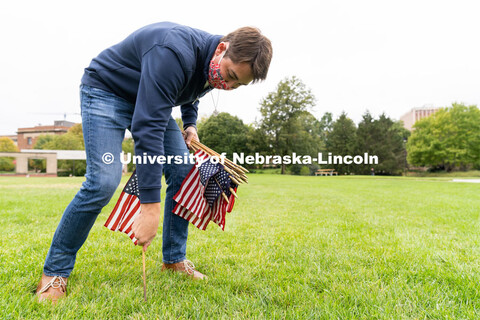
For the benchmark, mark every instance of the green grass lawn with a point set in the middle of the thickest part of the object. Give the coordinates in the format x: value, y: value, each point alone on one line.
x: 294, y: 248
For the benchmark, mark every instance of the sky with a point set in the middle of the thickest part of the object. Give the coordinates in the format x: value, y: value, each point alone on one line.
x: 381, y: 56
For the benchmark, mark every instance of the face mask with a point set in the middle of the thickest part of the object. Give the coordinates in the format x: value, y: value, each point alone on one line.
x: 215, y: 79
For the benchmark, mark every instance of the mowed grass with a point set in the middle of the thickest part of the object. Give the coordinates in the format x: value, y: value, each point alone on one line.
x: 293, y: 248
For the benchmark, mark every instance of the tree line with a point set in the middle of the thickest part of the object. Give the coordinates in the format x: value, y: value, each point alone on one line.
x: 287, y: 126
x: 448, y: 140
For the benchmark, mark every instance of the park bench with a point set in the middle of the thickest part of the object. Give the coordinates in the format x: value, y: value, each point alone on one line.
x: 326, y: 172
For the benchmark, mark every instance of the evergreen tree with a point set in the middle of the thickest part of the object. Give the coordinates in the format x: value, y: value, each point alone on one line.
x: 383, y: 138
x: 341, y: 141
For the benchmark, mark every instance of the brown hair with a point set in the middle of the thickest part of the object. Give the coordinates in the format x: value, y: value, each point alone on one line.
x: 248, y: 44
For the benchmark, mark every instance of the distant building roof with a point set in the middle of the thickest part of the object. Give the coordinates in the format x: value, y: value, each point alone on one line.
x: 63, y: 123
x: 10, y: 136
x: 43, y: 129
x: 58, y: 125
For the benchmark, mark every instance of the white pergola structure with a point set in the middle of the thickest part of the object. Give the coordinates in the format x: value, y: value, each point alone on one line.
x: 51, y: 156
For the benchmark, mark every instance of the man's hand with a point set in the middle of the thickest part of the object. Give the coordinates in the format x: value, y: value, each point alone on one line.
x: 189, y: 134
x: 145, y: 225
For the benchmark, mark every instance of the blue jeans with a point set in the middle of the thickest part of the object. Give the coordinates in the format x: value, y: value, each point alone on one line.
x: 105, y: 117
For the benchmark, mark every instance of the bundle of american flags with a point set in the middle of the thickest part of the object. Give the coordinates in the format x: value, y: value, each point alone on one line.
x: 206, y: 194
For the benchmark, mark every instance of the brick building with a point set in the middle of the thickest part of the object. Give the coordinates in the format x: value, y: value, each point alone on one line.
x: 26, y: 137
x: 416, y: 114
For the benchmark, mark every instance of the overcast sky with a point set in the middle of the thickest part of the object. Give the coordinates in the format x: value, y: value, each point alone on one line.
x: 383, y: 56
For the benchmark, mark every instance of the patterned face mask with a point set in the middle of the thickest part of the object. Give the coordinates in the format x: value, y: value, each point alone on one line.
x: 215, y: 79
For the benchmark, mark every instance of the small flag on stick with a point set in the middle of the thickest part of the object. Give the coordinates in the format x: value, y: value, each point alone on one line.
x: 123, y: 215
x: 126, y: 209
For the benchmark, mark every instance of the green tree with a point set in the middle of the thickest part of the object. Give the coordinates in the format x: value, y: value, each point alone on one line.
x: 179, y: 123
x: 256, y: 140
x: 342, y: 141
x: 77, y: 131
x: 390, y: 147
x: 199, y: 123
x: 309, y: 140
x: 67, y: 141
x: 383, y: 138
x: 309, y: 134
x: 224, y: 133
x: 128, y: 146
x: 7, y: 145
x: 281, y: 121
x: 367, y: 136
x: 449, y: 139
x: 43, y: 140
x: 326, y: 126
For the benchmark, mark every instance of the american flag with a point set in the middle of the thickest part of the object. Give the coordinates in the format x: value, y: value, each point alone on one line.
x: 198, y: 199
x: 126, y: 209
x: 213, y: 178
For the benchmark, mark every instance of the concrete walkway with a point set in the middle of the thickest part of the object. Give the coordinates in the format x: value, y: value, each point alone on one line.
x: 467, y: 180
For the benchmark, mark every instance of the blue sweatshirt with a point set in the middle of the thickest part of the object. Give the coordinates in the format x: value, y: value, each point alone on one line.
x: 156, y: 68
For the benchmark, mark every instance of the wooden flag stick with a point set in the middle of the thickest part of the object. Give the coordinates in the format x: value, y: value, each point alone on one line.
x: 237, y: 172
x: 229, y: 170
x: 241, y: 179
x: 144, y: 276
x: 233, y: 192
x: 234, y: 180
x: 228, y: 162
x: 212, y: 152
x: 223, y: 194
x: 225, y: 197
x: 236, y: 175
x: 240, y: 176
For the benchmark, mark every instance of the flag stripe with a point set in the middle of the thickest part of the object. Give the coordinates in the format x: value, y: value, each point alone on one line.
x: 133, y: 209
x: 114, y: 211
x: 120, y: 213
x: 126, y: 206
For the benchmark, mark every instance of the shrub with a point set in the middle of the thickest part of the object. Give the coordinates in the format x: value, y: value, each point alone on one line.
x: 304, y: 171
